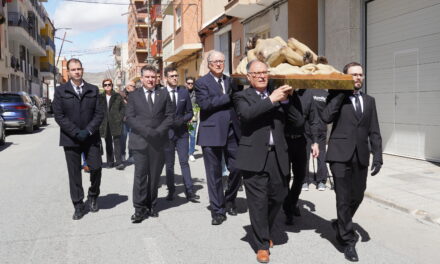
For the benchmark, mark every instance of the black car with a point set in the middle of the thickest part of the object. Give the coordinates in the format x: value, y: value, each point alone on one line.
x: 19, y: 111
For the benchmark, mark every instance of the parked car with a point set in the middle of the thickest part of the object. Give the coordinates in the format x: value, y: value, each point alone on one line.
x: 41, y: 108
x: 19, y: 111
x: 2, y: 128
x: 48, y: 103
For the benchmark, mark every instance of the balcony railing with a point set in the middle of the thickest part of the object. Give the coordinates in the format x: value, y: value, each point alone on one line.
x: 156, y: 48
x: 156, y: 14
x: 49, y: 42
x: 46, y: 67
x: 18, y: 20
x: 140, y: 45
x: 39, y: 8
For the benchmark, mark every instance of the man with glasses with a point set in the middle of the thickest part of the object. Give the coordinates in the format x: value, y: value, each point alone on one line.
x: 189, y: 84
x: 219, y: 133
x: 355, y: 131
x: 78, y: 112
x: 262, y: 155
x: 150, y: 114
x: 178, y: 137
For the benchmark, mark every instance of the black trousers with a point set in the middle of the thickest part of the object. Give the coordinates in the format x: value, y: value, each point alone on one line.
x: 179, y: 145
x: 321, y: 170
x: 148, y: 165
x: 298, y: 161
x: 112, y: 143
x: 350, y: 183
x: 92, y: 154
x: 265, y: 192
x: 212, y: 157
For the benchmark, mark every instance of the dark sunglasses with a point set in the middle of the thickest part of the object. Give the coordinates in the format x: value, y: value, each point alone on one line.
x: 189, y: 83
x: 108, y: 84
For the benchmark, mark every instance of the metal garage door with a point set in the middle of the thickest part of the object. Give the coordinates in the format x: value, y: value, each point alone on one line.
x: 403, y: 74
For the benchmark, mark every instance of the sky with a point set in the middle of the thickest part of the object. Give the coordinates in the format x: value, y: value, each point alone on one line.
x: 95, y: 30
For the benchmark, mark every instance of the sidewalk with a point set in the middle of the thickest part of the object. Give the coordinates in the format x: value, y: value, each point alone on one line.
x: 409, y: 185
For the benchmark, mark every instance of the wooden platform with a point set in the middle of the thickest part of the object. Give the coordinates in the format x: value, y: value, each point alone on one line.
x: 306, y: 81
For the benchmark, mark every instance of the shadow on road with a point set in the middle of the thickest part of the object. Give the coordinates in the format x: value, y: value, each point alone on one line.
x: 111, y: 200
x: 307, y: 221
x: 14, y: 131
x: 5, y: 146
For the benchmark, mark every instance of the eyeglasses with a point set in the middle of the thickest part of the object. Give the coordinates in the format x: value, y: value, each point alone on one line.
x: 107, y: 84
x: 189, y: 83
x: 173, y: 76
x: 259, y: 74
x: 217, y: 62
x: 357, y: 74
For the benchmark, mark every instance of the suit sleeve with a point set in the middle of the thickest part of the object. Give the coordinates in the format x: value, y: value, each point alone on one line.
x: 247, y: 111
x: 374, y: 135
x: 313, y: 120
x: 62, y: 120
x: 98, y: 115
x: 334, y: 102
x: 188, y: 115
x: 207, y: 102
x: 166, y: 124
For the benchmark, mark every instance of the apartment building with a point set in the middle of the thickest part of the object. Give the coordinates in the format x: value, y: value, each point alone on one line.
x: 47, y: 62
x: 181, y: 42
x: 156, y: 20
x: 138, y: 37
x: 4, y: 52
x: 26, y: 45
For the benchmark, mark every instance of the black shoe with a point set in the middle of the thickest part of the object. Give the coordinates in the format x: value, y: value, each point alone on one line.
x: 120, y: 166
x: 296, y: 211
x: 79, y: 212
x: 351, y: 254
x: 193, y: 197
x: 139, y: 216
x: 153, y: 213
x: 93, y: 204
x: 110, y: 165
x: 232, y: 210
x: 289, y: 220
x: 170, y: 196
x: 218, y: 219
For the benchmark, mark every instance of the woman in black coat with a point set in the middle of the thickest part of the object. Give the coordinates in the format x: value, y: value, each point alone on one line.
x: 111, y: 126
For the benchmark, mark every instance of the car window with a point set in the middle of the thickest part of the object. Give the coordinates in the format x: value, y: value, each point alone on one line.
x: 10, y: 98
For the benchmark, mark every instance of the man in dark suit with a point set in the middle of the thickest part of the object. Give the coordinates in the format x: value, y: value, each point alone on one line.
x: 178, y: 137
x: 149, y: 114
x: 262, y: 154
x: 355, y: 123
x: 78, y: 113
x: 219, y: 133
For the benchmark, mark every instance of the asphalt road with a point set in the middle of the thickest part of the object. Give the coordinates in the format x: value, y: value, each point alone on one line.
x: 36, y: 224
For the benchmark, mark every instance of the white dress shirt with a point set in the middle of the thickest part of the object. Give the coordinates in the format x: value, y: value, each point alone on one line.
x: 76, y: 87
x: 146, y: 94
x: 171, y: 94
x: 223, y: 82
x: 361, y: 101
x: 264, y: 96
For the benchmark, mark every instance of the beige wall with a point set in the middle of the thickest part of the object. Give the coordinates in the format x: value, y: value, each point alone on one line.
x: 190, y: 23
x: 303, y: 22
x: 190, y: 66
x: 237, y: 35
x: 212, y: 9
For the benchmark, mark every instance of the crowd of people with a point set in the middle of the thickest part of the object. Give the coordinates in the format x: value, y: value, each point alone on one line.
x: 263, y: 134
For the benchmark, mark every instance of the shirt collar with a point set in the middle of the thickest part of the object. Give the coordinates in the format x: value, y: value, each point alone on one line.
x: 146, y: 90
x: 74, y: 85
x: 263, y: 92
x: 216, y: 78
x: 170, y: 89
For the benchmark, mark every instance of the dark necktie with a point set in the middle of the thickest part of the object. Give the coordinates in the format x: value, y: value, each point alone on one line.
x: 221, y: 87
x: 174, y: 96
x: 357, y: 103
x: 78, y: 91
x: 150, y: 99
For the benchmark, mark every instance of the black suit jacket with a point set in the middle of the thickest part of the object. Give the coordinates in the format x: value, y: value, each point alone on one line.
x: 349, y: 132
x: 148, y: 127
x: 216, y: 111
x: 183, y: 114
x: 257, y: 118
x: 73, y: 113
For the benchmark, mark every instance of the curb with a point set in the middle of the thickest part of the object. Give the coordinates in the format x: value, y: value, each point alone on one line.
x: 420, y: 214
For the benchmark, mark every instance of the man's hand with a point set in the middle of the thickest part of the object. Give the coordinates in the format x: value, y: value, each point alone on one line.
x: 315, y: 150
x: 280, y: 94
x: 375, y: 168
x: 82, y: 135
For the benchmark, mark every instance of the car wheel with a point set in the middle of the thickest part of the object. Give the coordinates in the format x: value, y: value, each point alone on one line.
x: 37, y: 126
x: 3, y: 137
x: 29, y: 128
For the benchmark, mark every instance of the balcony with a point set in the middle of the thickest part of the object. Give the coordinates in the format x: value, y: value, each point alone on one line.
x: 156, y: 49
x: 245, y: 8
x: 156, y: 14
x: 141, y: 46
x: 38, y: 8
x: 47, y: 70
x: 49, y: 42
x: 20, y: 30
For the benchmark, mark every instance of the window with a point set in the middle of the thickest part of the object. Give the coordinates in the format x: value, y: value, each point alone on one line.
x: 178, y: 17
